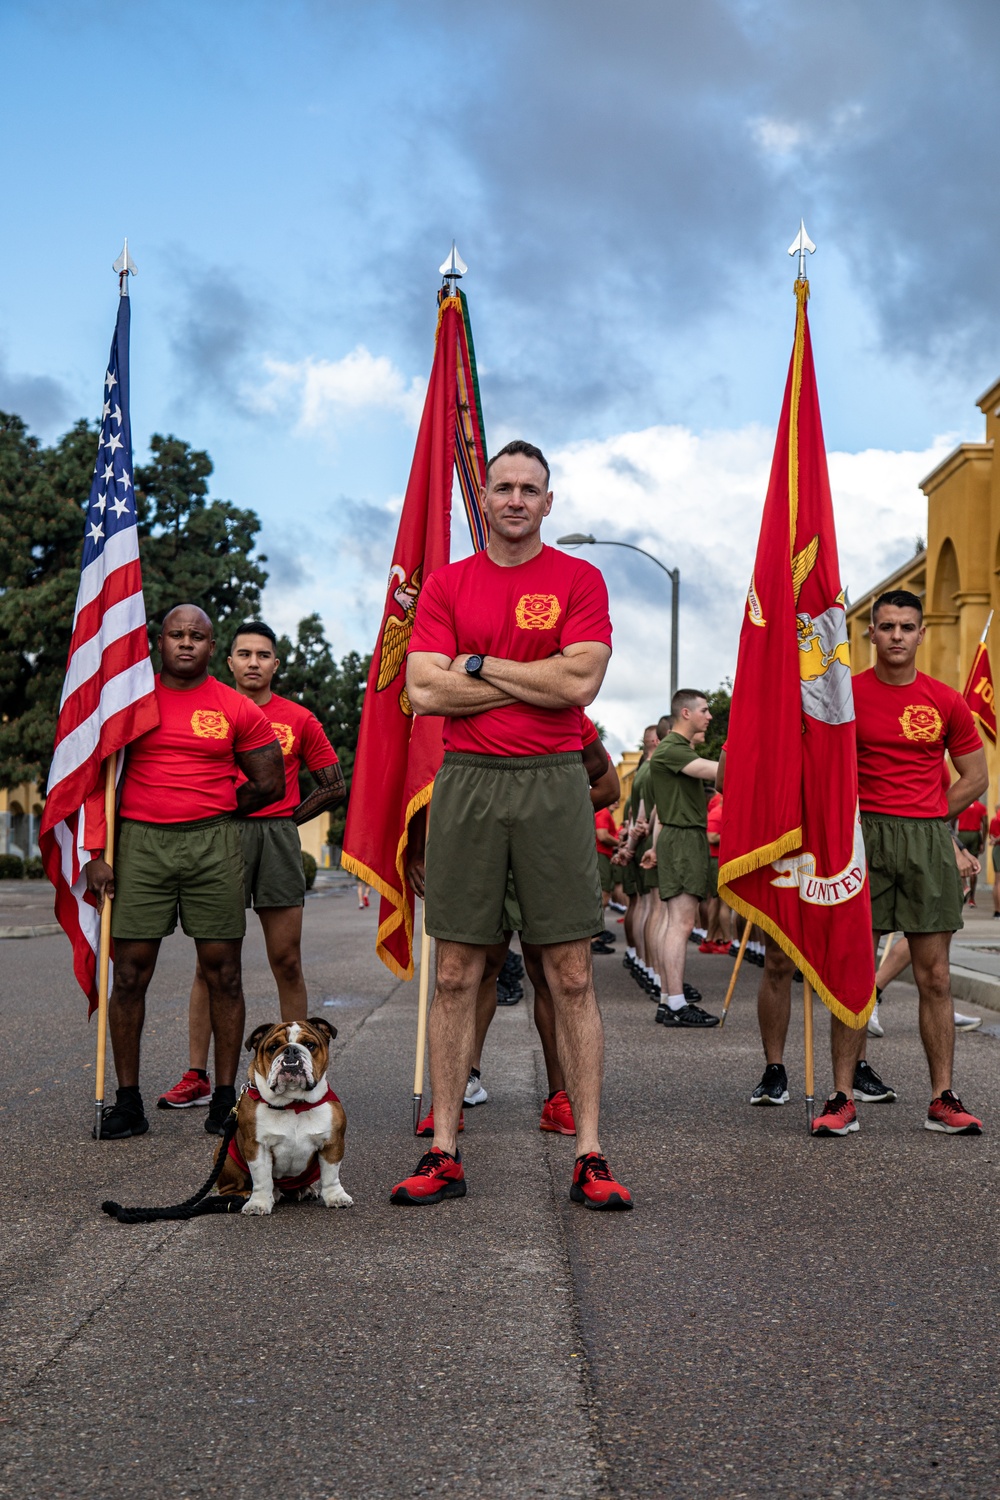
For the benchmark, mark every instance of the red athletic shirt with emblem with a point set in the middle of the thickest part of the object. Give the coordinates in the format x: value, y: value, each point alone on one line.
x: 604, y: 821
x: 526, y: 613
x: 902, y: 735
x: 971, y: 820
x: 185, y: 768
x: 588, y: 730
x: 713, y: 820
x: 302, y: 741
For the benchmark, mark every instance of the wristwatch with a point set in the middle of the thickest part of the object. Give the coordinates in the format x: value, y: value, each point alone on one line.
x: 474, y: 665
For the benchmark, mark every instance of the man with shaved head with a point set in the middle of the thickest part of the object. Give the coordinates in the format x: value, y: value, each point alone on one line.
x: 178, y: 849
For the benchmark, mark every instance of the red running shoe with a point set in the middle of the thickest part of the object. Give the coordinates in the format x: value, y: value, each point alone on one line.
x: 557, y: 1114
x: 950, y: 1115
x: 191, y: 1090
x: 839, y: 1117
x: 438, y: 1176
x: 594, y: 1185
x: 426, y: 1126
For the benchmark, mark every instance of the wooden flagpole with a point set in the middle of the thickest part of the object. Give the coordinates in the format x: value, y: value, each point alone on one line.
x: 807, y: 997
x: 104, y: 952
x: 736, y: 969
x: 425, y: 979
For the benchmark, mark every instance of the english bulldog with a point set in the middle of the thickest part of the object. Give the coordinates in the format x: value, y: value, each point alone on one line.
x: 290, y: 1124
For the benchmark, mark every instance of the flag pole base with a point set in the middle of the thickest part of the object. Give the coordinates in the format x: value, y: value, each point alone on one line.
x: 810, y: 1112
x: 418, y: 1100
x: 98, y: 1118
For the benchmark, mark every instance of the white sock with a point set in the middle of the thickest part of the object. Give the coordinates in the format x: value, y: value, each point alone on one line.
x: 630, y: 953
x: 657, y: 981
x: 699, y: 932
x: 676, y: 1002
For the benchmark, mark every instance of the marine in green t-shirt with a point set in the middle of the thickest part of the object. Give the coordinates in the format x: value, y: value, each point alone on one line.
x: 680, y: 800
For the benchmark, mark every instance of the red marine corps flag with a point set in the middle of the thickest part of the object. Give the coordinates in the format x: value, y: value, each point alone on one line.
x: 979, y: 688
x: 399, y: 754
x: 792, y: 855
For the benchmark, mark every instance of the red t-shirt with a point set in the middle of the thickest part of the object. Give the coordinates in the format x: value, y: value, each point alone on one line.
x: 302, y: 742
x: 186, y: 767
x: 527, y: 613
x: 604, y: 819
x: 713, y: 821
x: 995, y: 826
x: 588, y: 730
x: 902, y: 735
x: 971, y: 820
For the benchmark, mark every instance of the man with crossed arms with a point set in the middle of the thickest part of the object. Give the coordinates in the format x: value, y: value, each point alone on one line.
x: 508, y: 645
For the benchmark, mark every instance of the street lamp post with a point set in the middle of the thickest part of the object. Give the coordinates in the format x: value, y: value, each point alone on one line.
x: 578, y: 539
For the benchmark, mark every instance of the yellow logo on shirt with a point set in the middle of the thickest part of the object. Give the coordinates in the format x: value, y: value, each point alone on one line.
x: 210, y: 724
x: 921, y: 723
x: 285, y: 735
x: 537, y: 611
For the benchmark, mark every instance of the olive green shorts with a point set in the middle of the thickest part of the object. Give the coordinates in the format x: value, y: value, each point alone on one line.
x: 530, y: 816
x: 912, y: 876
x: 605, y: 873
x: 272, y: 863
x: 713, y: 878
x: 973, y: 841
x: 682, y: 861
x: 196, y: 868
x: 512, y: 920
x: 628, y: 879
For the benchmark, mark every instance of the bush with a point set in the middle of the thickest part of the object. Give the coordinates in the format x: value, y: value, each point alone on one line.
x: 309, y: 870
x: 34, y: 869
x: 11, y: 867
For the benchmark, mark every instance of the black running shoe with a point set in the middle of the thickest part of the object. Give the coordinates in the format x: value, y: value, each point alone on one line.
x: 868, y: 1086
x: 607, y: 936
x: 597, y: 946
x: 221, y: 1107
x: 688, y: 1015
x: 661, y: 1013
x: 690, y: 993
x: 126, y: 1117
x: 773, y: 1087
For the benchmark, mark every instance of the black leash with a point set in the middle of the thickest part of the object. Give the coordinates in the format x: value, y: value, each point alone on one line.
x: 199, y: 1203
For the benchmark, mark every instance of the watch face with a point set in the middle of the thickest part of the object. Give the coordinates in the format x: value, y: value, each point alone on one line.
x: 474, y: 664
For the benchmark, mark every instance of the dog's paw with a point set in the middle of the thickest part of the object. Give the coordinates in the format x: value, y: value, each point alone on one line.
x: 257, y: 1204
x: 335, y: 1197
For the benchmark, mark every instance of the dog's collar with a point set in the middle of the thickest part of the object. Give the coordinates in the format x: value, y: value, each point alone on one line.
x: 297, y: 1106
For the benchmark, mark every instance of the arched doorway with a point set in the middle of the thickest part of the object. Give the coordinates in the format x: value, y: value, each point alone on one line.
x: 946, y: 644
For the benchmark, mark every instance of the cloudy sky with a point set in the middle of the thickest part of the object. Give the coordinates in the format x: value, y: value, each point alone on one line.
x: 622, y: 179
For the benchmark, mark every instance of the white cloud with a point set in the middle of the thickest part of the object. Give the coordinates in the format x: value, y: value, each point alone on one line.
x: 326, y: 391
x: 777, y: 137
x: 695, y: 501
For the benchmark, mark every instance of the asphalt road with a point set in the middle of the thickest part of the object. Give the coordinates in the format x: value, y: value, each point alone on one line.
x: 778, y: 1317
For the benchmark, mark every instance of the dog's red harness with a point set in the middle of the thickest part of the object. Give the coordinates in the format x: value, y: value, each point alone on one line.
x: 298, y: 1107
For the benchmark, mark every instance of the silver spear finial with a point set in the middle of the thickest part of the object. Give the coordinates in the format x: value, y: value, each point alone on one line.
x: 126, y: 267
x: 453, y: 269
x: 799, y: 246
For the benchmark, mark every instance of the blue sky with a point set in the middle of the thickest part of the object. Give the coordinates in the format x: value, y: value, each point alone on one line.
x: 623, y: 182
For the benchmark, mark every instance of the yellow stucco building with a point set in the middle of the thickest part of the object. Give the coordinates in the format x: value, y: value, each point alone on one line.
x: 957, y: 576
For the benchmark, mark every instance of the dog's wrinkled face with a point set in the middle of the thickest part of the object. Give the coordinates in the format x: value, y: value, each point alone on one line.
x: 291, y: 1057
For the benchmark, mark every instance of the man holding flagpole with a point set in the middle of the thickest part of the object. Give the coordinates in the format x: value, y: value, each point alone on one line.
x: 179, y: 849
x: 508, y: 645
x: 905, y: 722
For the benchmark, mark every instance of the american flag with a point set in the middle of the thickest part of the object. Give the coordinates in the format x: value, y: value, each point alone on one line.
x: 108, y: 696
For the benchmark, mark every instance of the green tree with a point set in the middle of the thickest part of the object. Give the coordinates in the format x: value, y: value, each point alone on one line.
x: 194, y: 550
x: 43, y: 494
x: 719, y: 703
x: 191, y: 548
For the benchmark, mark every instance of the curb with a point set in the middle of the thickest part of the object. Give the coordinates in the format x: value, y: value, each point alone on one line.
x: 967, y: 985
x: 46, y: 929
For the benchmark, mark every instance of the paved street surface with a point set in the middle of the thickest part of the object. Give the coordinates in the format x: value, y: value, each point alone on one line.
x: 778, y: 1317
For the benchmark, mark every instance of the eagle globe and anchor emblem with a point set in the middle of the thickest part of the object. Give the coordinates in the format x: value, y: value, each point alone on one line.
x: 396, y: 633
x: 825, y: 683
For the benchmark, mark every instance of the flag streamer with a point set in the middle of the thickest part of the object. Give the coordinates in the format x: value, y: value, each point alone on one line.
x: 399, y: 753
x: 108, y: 695
x: 792, y: 855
